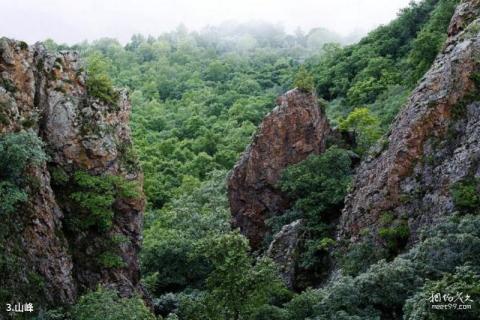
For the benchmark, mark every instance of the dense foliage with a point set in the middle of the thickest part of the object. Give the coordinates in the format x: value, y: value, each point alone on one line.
x: 95, y: 196
x: 102, y: 304
x: 19, y: 152
x: 197, y: 99
x: 317, y: 186
x: 382, y: 68
x: 383, y: 290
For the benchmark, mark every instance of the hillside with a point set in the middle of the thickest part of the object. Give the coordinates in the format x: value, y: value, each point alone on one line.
x: 245, y: 173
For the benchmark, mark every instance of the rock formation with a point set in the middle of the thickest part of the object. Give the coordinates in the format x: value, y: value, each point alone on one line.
x: 433, y: 143
x: 296, y: 128
x: 46, y: 94
x: 284, y: 250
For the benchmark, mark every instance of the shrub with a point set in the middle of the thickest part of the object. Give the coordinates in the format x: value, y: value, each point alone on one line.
x: 99, y: 84
x: 453, y: 243
x: 379, y: 292
x: 236, y: 286
x: 466, y: 196
x: 268, y: 312
x: 462, y: 287
x: 17, y: 151
x: 302, y: 306
x: 359, y: 257
x: 320, y: 182
x: 387, y: 289
x: 166, y: 304
x: 10, y: 197
x: 104, y: 304
x: 366, y: 127
x: 96, y: 195
x: 170, y: 256
x: 317, y: 186
x: 304, y: 80
x: 110, y: 260
x: 395, y: 236
x: 59, y: 176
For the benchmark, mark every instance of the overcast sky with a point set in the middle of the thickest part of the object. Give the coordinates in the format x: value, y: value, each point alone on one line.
x: 73, y: 21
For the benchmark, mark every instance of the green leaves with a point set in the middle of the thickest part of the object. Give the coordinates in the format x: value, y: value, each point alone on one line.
x: 320, y: 182
x: 466, y: 195
x: 10, y: 197
x: 17, y: 152
x: 317, y: 186
x: 95, y: 195
x: 366, y: 127
x: 104, y: 304
x: 304, y: 80
x: 462, y: 287
x: 99, y: 84
x: 237, y: 286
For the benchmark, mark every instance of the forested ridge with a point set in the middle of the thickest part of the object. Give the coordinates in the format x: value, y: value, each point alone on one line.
x: 197, y: 100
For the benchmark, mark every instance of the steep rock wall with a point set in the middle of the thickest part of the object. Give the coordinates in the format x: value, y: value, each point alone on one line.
x: 433, y: 143
x: 46, y: 93
x: 296, y: 128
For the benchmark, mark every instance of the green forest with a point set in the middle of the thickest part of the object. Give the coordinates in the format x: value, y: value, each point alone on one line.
x: 197, y: 100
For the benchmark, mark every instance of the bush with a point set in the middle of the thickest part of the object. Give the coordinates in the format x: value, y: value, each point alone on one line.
x: 466, y: 196
x: 359, y: 257
x: 166, y: 304
x: 318, y: 183
x: 17, y: 152
x: 99, y: 84
x: 237, y: 286
x: 302, y: 306
x: 304, y: 80
x: 317, y: 187
x: 395, y: 236
x: 110, y: 260
x: 462, y: 287
x: 366, y: 127
x: 10, y: 197
x: 170, y: 257
x: 387, y: 289
x: 104, y: 304
x: 95, y: 195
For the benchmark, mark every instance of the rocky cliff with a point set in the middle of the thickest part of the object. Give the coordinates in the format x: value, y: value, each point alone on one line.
x: 81, y: 224
x: 296, y: 128
x: 433, y: 145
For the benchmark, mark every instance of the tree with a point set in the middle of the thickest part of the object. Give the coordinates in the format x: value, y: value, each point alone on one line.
x: 317, y: 186
x: 237, y: 285
x: 304, y: 80
x: 99, y: 84
x: 463, y: 286
x: 104, y: 304
x: 17, y: 152
x: 366, y: 127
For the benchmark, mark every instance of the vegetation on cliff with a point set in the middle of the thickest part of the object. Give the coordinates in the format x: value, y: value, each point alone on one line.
x: 197, y: 100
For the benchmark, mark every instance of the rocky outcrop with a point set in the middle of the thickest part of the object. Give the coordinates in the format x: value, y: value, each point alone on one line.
x: 284, y: 250
x: 433, y: 143
x: 46, y: 94
x: 296, y: 128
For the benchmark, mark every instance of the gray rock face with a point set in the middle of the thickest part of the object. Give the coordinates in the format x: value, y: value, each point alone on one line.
x: 284, y: 251
x: 296, y: 128
x: 46, y: 93
x: 433, y: 143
